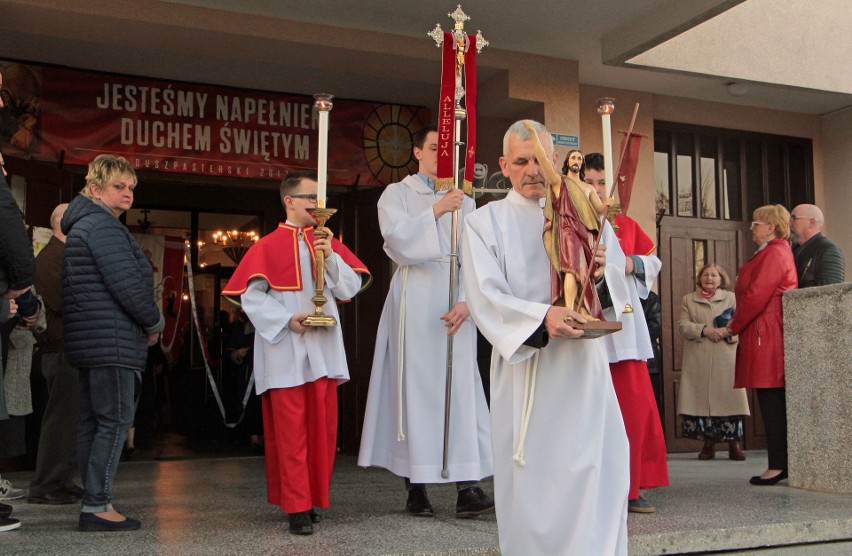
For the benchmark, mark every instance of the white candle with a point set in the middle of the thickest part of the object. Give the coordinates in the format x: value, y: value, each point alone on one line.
x: 323, y: 104
x: 607, y: 150
x: 606, y: 106
x: 322, y: 159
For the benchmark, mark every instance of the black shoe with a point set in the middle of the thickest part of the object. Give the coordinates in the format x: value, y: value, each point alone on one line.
x: 640, y: 506
x: 90, y: 523
x: 315, y: 516
x: 300, y: 523
x: 73, y: 490
x: 55, y: 498
x: 418, y: 503
x: 9, y: 523
x: 473, y: 502
x: 5, y: 510
x: 760, y: 481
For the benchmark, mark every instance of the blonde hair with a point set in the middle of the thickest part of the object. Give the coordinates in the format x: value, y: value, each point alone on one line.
x: 776, y: 215
x: 104, y: 169
x: 726, y: 280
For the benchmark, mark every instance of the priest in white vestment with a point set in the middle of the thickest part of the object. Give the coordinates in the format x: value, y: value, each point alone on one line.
x: 560, y: 449
x: 404, y: 419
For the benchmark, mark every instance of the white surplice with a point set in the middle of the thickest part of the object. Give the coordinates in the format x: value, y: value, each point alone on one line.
x: 412, y: 340
x: 570, y: 495
x: 633, y: 341
x: 283, y: 358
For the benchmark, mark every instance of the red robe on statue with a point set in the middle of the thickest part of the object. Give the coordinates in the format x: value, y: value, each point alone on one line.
x: 574, y: 228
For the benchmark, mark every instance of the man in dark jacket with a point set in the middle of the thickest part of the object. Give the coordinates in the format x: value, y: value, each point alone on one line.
x: 56, y: 464
x: 17, y: 270
x: 819, y: 260
x: 109, y: 319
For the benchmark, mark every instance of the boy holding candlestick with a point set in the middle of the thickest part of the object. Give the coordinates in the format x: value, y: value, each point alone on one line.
x: 297, y: 368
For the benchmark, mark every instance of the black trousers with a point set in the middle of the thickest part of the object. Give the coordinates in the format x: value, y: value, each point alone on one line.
x: 773, y: 409
x: 56, y: 463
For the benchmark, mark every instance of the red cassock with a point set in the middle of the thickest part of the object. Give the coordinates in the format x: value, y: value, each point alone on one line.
x: 632, y: 383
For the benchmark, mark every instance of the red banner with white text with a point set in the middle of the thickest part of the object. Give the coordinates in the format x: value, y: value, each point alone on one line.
x: 58, y: 114
x: 458, y: 69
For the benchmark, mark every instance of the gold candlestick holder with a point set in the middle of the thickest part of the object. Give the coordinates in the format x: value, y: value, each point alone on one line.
x: 319, y: 318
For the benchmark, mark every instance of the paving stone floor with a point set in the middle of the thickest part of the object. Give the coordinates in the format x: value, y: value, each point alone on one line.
x: 218, y: 506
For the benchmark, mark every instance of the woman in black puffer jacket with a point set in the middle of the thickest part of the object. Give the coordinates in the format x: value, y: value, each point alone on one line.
x: 109, y: 320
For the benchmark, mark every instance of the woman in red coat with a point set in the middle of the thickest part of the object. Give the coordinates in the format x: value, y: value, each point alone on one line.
x: 758, y: 321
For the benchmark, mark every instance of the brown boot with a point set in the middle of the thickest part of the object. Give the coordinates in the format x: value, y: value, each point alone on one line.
x: 708, y: 451
x: 734, y: 451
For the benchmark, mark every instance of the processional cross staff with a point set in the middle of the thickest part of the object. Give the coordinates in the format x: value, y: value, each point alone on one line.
x: 452, y: 111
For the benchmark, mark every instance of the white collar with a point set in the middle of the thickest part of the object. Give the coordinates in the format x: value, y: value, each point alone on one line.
x: 518, y: 199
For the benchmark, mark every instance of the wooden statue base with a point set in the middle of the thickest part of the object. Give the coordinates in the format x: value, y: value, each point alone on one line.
x: 595, y: 328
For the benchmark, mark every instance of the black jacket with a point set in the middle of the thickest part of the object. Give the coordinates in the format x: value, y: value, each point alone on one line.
x: 819, y: 261
x: 17, y: 264
x: 107, y: 291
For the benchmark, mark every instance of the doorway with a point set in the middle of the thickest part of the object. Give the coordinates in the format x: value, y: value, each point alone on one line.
x: 195, y: 411
x: 685, y: 246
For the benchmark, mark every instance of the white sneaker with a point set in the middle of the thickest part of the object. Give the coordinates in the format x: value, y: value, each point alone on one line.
x: 8, y: 492
x: 8, y: 523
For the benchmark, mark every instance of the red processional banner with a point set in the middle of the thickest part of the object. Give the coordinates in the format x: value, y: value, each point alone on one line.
x: 627, y: 172
x: 454, y: 65
x: 60, y: 114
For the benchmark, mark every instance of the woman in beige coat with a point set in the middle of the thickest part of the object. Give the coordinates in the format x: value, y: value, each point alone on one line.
x: 711, y: 408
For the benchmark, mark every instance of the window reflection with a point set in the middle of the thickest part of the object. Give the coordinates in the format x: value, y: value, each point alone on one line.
x: 707, y: 184
x: 797, y: 170
x: 685, y: 152
x: 731, y: 200
x: 661, y: 177
x: 775, y: 172
x: 725, y: 174
x: 754, y: 176
x: 699, y: 252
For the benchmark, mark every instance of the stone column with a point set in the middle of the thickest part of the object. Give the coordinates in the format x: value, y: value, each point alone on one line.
x: 818, y: 369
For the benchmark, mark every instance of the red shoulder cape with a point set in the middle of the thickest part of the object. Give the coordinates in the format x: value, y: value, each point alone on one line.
x: 275, y: 258
x: 633, y: 240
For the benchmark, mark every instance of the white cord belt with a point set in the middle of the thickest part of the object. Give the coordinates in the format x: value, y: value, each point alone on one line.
x: 526, y: 406
x: 400, y: 356
x: 400, y: 348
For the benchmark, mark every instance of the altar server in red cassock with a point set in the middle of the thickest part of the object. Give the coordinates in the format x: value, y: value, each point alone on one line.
x: 297, y: 368
x: 629, y: 349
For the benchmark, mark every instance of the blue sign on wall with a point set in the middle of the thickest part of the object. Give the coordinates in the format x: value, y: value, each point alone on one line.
x: 561, y: 140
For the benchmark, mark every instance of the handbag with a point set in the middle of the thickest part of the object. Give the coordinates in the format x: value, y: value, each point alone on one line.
x: 724, y: 318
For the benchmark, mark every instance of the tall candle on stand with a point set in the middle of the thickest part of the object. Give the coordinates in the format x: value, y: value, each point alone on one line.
x: 323, y: 105
x: 606, y: 106
x: 321, y: 214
